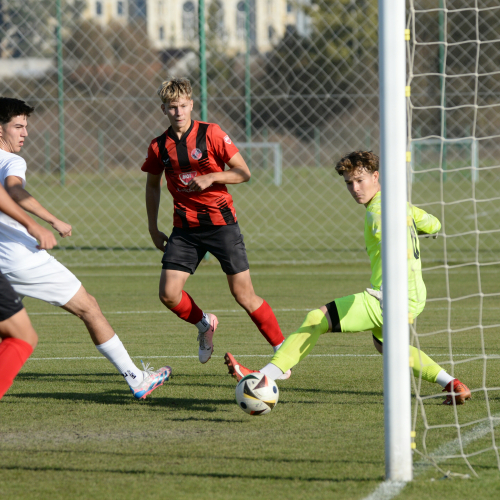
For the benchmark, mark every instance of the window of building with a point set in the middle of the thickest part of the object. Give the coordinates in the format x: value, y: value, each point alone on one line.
x: 241, y: 18
x: 189, y: 21
x: 119, y: 8
x: 160, y: 8
x: 98, y: 8
x: 161, y: 33
x: 289, y: 7
x: 271, y: 31
x: 216, y: 19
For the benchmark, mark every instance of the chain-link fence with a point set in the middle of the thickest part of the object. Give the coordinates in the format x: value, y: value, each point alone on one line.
x: 300, y: 76
x: 297, y: 79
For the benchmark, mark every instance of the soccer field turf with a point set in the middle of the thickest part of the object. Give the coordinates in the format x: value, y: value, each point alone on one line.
x: 70, y: 428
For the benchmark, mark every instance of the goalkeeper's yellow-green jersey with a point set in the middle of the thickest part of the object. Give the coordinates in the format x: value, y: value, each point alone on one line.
x: 418, y: 221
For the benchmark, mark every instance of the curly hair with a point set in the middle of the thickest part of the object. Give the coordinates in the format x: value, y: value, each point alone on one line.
x: 350, y: 162
x: 173, y: 89
x: 10, y: 107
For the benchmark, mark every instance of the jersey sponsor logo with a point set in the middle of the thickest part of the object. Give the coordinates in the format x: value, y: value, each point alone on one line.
x: 196, y: 154
x: 227, y: 139
x: 187, y: 177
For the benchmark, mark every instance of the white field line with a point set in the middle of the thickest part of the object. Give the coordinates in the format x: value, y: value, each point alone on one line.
x: 164, y: 311
x: 220, y: 273
x: 239, y: 356
x: 390, y: 489
x: 228, y: 311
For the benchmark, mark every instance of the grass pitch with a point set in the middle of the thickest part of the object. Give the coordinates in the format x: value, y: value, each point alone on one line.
x: 70, y: 428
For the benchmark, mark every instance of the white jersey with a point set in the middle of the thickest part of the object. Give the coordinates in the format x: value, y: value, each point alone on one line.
x: 17, y: 247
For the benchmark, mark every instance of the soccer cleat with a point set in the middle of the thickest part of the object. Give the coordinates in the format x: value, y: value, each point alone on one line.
x: 459, y: 390
x: 235, y: 369
x: 205, y: 339
x: 152, y: 380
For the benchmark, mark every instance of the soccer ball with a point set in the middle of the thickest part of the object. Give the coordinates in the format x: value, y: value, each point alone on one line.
x: 257, y: 394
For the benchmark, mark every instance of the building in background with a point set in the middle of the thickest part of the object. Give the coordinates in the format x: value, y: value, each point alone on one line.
x: 173, y: 24
x: 104, y: 12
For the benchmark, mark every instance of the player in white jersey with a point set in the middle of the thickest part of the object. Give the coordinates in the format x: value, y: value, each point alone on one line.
x: 17, y: 336
x: 35, y: 273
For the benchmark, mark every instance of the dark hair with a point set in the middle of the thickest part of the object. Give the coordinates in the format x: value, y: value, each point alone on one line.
x: 9, y: 108
x: 350, y: 162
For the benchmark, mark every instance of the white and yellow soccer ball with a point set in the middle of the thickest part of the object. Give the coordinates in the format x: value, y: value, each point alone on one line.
x: 257, y: 394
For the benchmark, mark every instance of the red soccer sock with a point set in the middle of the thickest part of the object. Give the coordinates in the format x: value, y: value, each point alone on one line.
x: 187, y: 309
x: 13, y: 354
x: 266, y: 322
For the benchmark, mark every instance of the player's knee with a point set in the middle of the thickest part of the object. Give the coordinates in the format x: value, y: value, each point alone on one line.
x: 168, y: 299
x: 31, y: 337
x: 87, y: 308
x: 314, y: 317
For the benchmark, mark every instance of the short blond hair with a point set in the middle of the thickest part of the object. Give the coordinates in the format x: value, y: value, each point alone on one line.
x: 174, y: 89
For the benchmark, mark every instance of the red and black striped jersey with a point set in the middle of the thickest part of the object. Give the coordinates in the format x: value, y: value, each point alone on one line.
x: 203, y: 149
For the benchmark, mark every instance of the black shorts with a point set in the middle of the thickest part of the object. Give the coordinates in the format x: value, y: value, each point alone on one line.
x: 187, y: 247
x: 10, y: 303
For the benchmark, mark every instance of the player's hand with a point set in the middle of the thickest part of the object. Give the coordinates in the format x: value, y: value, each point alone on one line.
x: 46, y: 240
x: 200, y: 182
x: 160, y: 239
x: 378, y: 294
x: 62, y: 228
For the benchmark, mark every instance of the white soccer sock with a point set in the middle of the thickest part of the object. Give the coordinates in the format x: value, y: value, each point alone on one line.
x: 116, y: 353
x: 203, y: 324
x: 443, y: 378
x: 276, y: 347
x: 271, y: 371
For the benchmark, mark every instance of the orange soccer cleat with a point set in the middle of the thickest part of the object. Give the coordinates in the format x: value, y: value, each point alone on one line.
x: 235, y: 369
x: 459, y: 391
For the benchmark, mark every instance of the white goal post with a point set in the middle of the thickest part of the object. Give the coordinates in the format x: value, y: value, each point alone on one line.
x: 275, y: 147
x: 393, y: 138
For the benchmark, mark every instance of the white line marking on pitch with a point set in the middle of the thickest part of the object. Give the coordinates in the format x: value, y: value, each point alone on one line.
x: 239, y: 311
x: 390, y: 489
x: 241, y: 356
x: 164, y: 311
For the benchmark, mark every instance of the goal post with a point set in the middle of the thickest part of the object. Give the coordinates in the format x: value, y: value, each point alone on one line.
x: 275, y: 147
x: 392, y: 77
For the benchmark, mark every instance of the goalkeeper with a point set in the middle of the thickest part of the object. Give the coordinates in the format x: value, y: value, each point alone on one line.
x: 364, y: 311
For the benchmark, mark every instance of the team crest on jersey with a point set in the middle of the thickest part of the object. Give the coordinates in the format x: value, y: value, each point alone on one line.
x: 227, y: 139
x: 187, y: 177
x: 196, y: 154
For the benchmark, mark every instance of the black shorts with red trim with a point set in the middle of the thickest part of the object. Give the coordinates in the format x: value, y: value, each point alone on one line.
x: 186, y: 248
x: 10, y: 303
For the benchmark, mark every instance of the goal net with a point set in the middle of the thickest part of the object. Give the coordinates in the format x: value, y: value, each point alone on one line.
x: 454, y: 128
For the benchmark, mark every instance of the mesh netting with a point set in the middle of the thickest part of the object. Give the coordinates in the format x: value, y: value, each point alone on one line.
x: 455, y: 97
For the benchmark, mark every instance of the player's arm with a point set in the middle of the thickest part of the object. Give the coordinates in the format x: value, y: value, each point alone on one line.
x: 426, y: 223
x: 14, y: 186
x: 238, y: 172
x: 153, y: 195
x: 45, y: 238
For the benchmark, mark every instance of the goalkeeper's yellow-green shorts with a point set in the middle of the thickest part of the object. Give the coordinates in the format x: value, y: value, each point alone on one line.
x: 360, y: 312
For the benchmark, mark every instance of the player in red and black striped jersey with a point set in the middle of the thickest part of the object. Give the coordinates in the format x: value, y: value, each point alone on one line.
x: 193, y: 156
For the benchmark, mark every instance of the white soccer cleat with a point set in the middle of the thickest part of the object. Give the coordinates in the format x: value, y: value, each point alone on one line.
x: 205, y: 339
x: 152, y: 380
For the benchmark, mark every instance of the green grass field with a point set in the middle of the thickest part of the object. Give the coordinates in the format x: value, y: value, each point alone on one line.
x: 70, y: 428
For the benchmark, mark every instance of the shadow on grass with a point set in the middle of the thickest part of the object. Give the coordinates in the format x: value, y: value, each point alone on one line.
x: 112, y: 398
x: 213, y: 475
x: 58, y: 377
x: 201, y: 457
